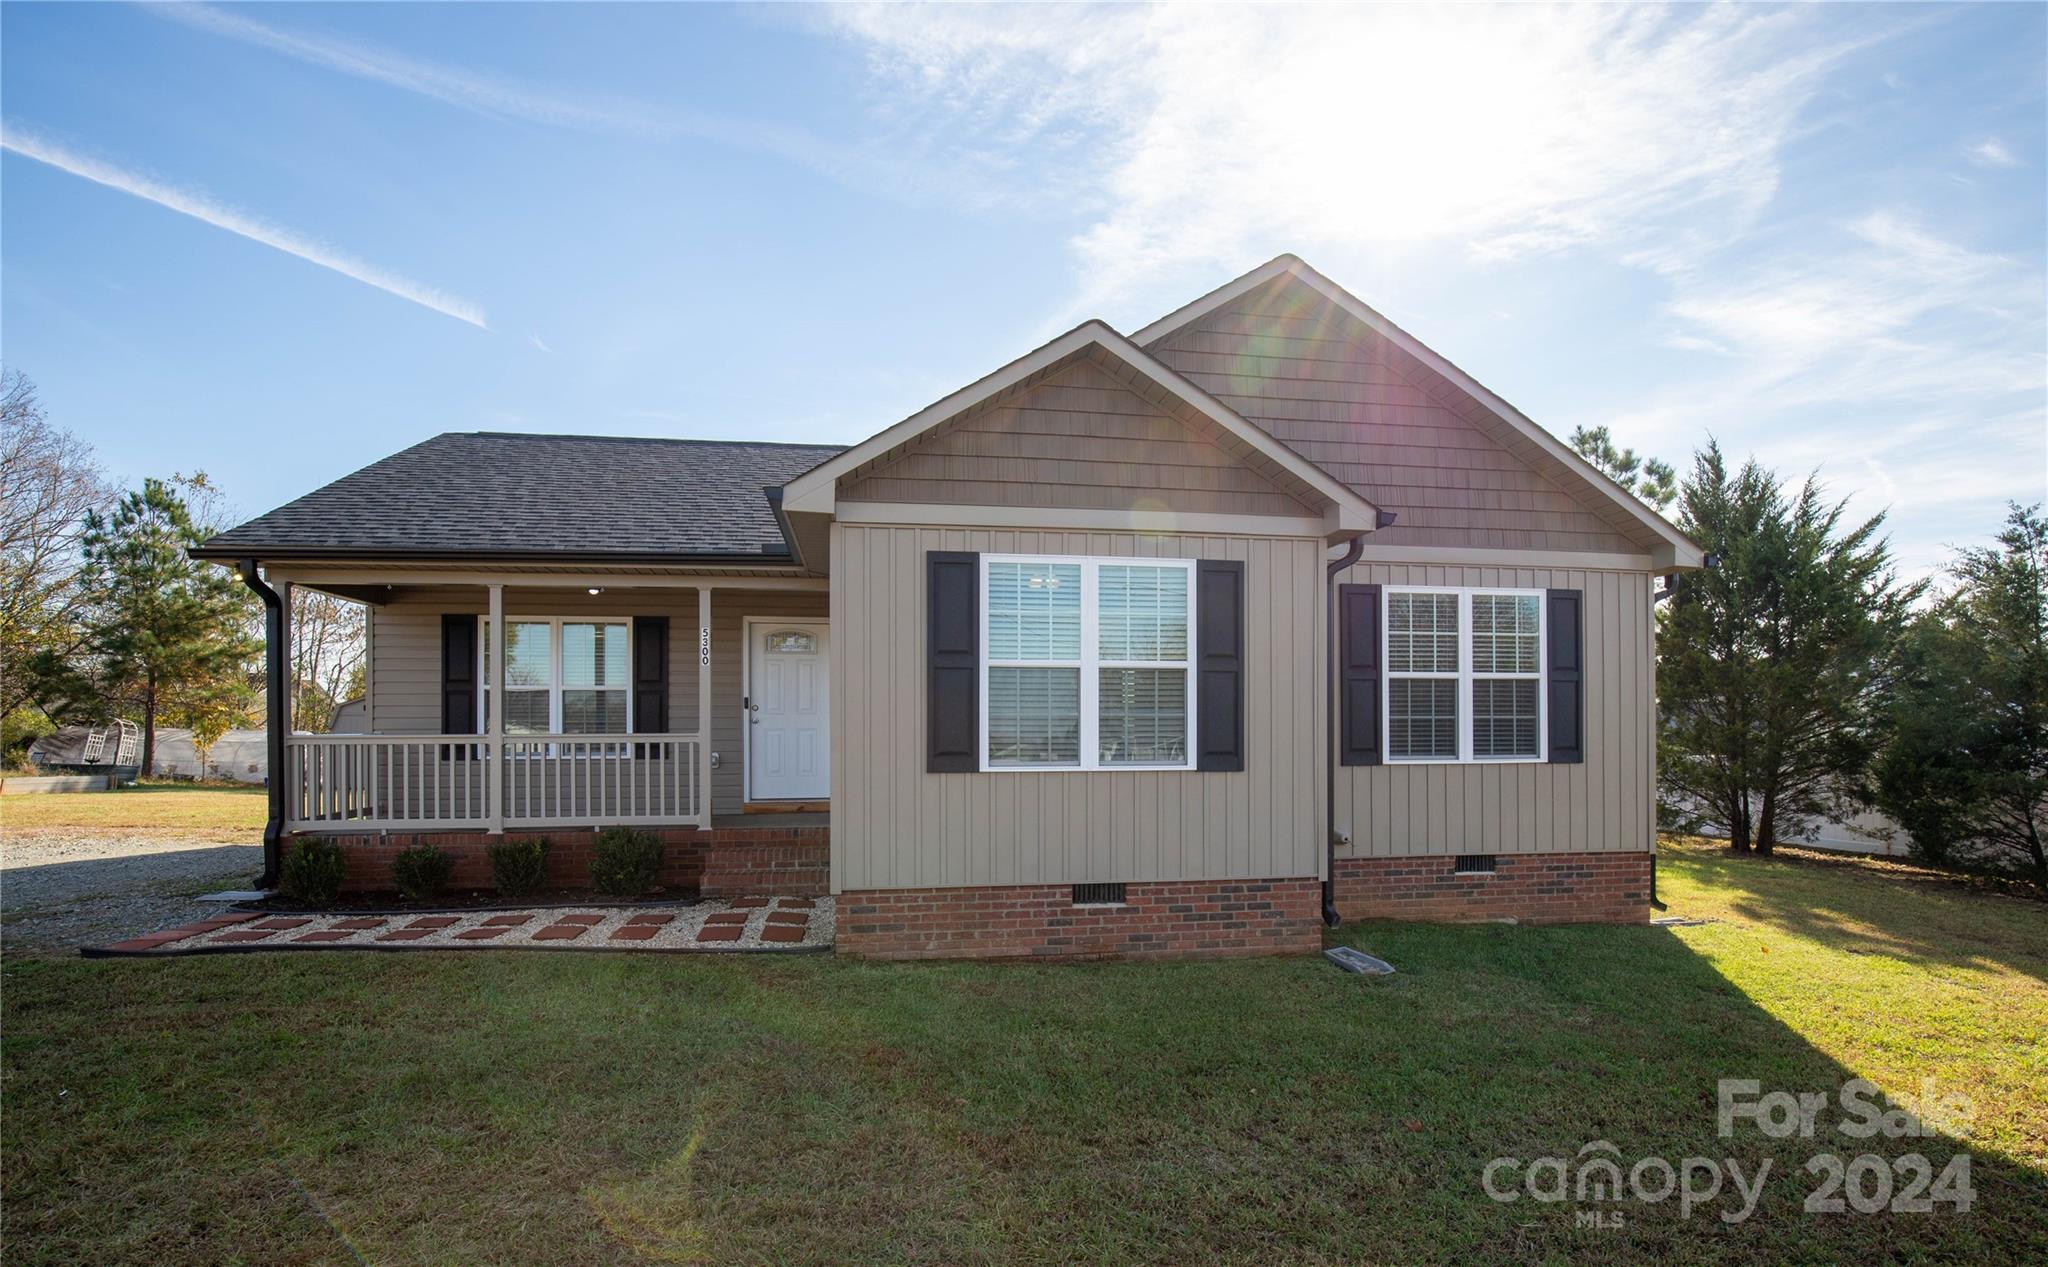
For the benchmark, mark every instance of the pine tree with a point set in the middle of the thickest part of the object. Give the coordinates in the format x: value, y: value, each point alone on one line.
x: 162, y: 628
x: 1648, y: 478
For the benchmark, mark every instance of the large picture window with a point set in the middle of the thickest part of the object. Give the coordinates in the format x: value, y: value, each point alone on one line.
x: 1086, y: 662
x: 562, y: 676
x: 1464, y: 675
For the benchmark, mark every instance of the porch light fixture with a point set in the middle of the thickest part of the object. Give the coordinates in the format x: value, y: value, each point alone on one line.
x: 595, y: 591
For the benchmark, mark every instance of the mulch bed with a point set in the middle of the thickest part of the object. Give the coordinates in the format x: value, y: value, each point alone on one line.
x: 393, y: 903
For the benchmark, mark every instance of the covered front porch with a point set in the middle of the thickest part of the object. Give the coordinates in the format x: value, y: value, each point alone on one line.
x: 528, y: 700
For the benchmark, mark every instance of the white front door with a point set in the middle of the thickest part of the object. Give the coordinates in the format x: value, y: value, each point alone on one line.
x: 789, y: 711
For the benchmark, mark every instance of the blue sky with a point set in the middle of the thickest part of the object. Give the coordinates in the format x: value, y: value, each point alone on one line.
x: 278, y: 242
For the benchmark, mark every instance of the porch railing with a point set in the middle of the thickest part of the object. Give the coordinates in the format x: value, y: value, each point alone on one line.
x: 428, y: 781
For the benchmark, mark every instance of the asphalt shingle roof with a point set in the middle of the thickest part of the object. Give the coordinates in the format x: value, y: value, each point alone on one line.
x: 501, y: 493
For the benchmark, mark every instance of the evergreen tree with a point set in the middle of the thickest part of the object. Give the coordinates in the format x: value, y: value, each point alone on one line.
x: 1966, y: 761
x: 164, y: 631
x: 1648, y: 478
x: 1774, y: 665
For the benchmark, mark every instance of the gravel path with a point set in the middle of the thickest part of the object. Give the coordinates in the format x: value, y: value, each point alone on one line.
x: 65, y: 888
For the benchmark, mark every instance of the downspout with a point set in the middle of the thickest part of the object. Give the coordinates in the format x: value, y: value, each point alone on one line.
x: 1670, y: 588
x: 1352, y: 549
x: 273, y: 728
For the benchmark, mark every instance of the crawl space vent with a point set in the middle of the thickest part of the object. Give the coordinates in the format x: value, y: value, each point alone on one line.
x: 1474, y: 864
x: 1098, y: 895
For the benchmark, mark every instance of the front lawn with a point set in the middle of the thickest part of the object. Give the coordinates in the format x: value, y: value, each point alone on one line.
x: 222, y: 812
x: 501, y: 1107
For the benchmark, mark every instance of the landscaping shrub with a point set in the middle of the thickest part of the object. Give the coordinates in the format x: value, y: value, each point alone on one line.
x: 625, y: 863
x: 422, y: 871
x: 519, y: 867
x: 312, y: 872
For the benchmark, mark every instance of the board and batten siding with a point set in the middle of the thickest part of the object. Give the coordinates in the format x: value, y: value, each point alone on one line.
x: 1605, y: 803
x: 896, y: 826
x: 405, y: 650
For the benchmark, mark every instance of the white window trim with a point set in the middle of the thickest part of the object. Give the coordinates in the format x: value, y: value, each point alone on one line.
x: 555, y: 686
x: 1089, y: 664
x: 1465, y: 676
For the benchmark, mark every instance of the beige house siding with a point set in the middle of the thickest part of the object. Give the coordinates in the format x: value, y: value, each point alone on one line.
x: 1076, y: 437
x: 1408, y: 441
x: 896, y: 826
x: 1605, y: 803
x: 405, y: 649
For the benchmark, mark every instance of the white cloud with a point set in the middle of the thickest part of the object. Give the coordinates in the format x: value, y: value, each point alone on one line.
x: 203, y: 207
x: 484, y: 95
x: 1992, y: 152
x: 539, y: 344
x: 1902, y: 366
x: 499, y: 97
x: 1200, y: 137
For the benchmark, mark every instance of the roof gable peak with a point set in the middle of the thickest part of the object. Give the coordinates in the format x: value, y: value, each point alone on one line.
x: 1674, y: 550
x: 815, y: 490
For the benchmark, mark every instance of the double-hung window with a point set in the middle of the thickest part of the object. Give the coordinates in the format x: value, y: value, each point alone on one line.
x: 562, y: 676
x: 1086, y: 663
x: 1464, y: 677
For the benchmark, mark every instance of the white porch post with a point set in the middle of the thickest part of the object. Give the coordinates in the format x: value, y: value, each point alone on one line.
x: 494, y: 715
x: 704, y: 706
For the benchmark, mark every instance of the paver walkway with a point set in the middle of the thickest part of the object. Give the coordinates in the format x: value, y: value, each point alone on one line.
x: 740, y: 924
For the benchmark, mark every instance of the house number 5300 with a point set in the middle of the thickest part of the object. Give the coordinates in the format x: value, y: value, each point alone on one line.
x: 704, y: 645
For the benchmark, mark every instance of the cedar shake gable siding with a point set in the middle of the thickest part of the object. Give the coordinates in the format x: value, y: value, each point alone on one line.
x: 1408, y: 440
x: 1081, y: 435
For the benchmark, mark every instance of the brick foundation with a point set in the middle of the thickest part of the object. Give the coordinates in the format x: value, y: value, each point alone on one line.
x: 1533, y: 888
x: 1176, y: 918
x: 723, y: 862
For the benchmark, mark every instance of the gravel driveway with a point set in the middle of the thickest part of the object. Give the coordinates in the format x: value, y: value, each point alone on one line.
x: 61, y: 889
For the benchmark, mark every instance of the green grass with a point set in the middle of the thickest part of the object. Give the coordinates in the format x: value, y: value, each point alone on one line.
x: 522, y: 1108
x: 227, y: 812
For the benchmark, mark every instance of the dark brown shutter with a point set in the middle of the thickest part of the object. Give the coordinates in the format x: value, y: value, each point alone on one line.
x: 458, y: 674
x: 1564, y: 676
x: 1358, y: 674
x: 1219, y: 664
x: 952, y: 644
x: 650, y: 675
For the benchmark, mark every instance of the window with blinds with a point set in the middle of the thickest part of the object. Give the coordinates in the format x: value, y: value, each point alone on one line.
x: 1086, y: 663
x: 561, y: 676
x: 1464, y: 675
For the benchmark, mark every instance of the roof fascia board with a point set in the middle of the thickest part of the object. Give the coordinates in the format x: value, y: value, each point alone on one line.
x: 950, y: 515
x: 316, y: 574
x: 1494, y: 556
x: 229, y: 553
x: 1680, y: 549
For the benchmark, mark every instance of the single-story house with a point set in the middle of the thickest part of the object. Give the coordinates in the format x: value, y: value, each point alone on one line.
x: 1177, y: 641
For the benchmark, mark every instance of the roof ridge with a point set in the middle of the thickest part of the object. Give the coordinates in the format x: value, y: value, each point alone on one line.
x: 573, y: 435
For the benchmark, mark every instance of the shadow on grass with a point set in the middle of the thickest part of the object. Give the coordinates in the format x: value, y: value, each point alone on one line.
x: 1624, y: 1035
x: 560, y: 1109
